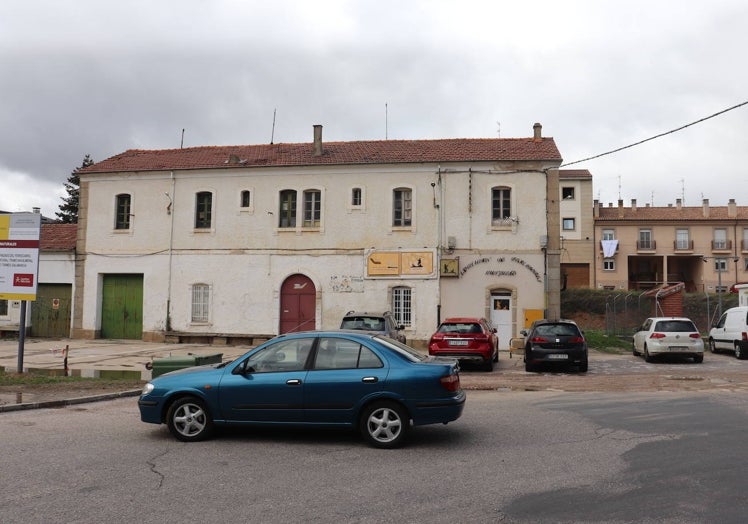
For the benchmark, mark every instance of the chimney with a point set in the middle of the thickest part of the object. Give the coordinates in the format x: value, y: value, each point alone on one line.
x: 620, y: 208
x: 536, y: 131
x: 596, y: 205
x: 37, y: 210
x: 732, y: 209
x: 705, y: 207
x: 317, y: 140
x: 633, y: 204
x: 678, y: 203
x: 233, y: 159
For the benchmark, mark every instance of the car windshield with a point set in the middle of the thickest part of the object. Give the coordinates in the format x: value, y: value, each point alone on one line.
x: 405, y: 351
x: 675, y: 326
x: 363, y: 323
x: 459, y: 327
x: 557, y: 330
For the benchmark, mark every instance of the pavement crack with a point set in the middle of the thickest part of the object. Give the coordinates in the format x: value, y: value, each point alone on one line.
x: 152, y: 465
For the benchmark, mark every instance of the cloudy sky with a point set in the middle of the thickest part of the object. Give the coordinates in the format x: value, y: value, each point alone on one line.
x: 99, y: 77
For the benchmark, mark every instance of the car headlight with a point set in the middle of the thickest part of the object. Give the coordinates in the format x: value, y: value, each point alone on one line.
x: 147, y: 388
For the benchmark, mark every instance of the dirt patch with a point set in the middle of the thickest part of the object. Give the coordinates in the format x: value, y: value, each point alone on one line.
x: 31, y: 393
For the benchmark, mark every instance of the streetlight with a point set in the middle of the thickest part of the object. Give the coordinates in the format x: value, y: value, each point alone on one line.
x: 719, y: 280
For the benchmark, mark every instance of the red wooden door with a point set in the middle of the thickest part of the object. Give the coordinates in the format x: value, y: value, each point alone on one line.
x: 298, y: 304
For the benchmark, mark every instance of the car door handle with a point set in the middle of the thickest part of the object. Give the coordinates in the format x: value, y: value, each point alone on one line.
x: 293, y: 382
x: 370, y: 380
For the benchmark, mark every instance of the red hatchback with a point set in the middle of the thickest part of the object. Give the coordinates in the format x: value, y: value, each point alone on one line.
x: 467, y: 339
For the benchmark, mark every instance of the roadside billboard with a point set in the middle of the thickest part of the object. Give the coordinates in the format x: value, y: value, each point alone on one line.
x: 19, y: 255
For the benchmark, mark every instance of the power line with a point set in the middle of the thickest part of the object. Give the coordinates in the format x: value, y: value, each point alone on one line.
x: 657, y: 136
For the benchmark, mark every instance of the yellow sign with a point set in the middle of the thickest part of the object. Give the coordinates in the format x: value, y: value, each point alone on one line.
x: 405, y: 263
x: 417, y: 263
x: 383, y: 263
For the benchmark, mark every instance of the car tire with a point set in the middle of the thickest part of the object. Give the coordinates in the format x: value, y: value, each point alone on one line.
x: 584, y: 366
x: 647, y: 356
x: 189, y: 420
x: 633, y: 350
x: 384, y: 424
x: 698, y: 359
x: 530, y: 368
x: 488, y: 365
x: 496, y: 356
x: 739, y: 353
x: 712, y: 346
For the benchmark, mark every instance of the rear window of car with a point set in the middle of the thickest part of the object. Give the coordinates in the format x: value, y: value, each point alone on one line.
x: 675, y: 326
x: 558, y: 330
x: 460, y: 327
x: 364, y: 323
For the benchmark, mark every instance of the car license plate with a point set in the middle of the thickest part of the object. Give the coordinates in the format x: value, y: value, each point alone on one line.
x: 677, y: 348
x: 458, y: 342
x: 559, y: 356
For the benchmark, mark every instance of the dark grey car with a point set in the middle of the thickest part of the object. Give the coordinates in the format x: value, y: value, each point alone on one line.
x: 374, y: 322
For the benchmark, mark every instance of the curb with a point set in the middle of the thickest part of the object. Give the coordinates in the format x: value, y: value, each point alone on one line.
x: 68, y: 402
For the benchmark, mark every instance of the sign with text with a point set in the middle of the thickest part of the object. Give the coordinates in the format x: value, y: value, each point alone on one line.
x: 19, y: 255
x: 400, y: 263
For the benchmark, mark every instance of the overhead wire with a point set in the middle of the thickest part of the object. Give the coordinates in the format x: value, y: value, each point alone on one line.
x: 657, y: 136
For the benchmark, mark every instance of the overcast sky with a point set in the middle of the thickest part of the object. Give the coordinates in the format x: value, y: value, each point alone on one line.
x: 99, y: 77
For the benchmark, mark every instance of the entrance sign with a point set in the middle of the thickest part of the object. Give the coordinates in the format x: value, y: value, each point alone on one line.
x: 19, y: 255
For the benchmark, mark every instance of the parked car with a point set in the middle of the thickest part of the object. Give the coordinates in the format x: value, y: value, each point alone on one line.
x: 315, y: 378
x: 731, y: 332
x: 677, y: 336
x: 467, y: 339
x: 554, y: 342
x: 383, y: 323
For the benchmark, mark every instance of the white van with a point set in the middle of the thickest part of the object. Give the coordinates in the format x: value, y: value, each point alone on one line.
x: 731, y: 332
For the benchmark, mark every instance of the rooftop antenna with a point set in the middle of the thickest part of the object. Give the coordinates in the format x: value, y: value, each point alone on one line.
x: 386, y: 122
x: 619, y: 187
x: 272, y: 133
x: 498, y: 128
x: 181, y: 144
x: 683, y: 190
x: 652, y: 199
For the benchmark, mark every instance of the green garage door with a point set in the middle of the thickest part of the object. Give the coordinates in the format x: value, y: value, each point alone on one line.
x: 122, y: 307
x: 50, y: 312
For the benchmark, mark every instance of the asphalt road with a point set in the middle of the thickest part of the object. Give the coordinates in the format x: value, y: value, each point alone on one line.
x: 539, y: 456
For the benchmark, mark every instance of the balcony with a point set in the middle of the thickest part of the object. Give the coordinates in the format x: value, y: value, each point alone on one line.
x: 646, y: 245
x: 683, y: 245
x: 721, y: 245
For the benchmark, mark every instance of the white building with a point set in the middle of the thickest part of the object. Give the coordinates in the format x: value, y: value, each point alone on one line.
x: 235, y: 243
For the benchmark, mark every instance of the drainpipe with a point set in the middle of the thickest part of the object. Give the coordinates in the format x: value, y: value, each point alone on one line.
x: 170, y: 211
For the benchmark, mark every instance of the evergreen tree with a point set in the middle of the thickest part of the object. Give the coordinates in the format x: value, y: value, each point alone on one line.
x: 68, y: 213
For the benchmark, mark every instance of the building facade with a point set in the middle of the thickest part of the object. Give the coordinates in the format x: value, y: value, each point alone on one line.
x: 235, y: 243
x: 639, y: 248
x: 577, y: 228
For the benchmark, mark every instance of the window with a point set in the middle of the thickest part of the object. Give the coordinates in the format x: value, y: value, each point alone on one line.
x: 567, y: 193
x: 356, y: 197
x: 645, y: 239
x: 339, y: 353
x: 122, y: 220
x: 609, y: 234
x: 745, y: 239
x: 745, y: 264
x: 720, y: 239
x: 285, y: 355
x: 402, y: 202
x: 245, y: 199
x: 312, y: 208
x: 287, y: 210
x: 609, y: 264
x: 720, y: 265
x: 681, y: 239
x: 401, y: 305
x: 501, y: 205
x: 203, y: 209
x: 200, y: 302
x: 3, y: 308
x: 569, y: 224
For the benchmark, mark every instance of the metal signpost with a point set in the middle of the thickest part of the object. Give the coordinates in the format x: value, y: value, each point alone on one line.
x: 19, y: 264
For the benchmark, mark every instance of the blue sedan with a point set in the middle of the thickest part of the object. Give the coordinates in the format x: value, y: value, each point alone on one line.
x: 316, y: 378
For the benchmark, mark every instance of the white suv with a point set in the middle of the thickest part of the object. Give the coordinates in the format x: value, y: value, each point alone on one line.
x: 669, y: 336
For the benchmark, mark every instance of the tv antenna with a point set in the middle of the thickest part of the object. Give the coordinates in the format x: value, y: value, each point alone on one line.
x: 272, y: 132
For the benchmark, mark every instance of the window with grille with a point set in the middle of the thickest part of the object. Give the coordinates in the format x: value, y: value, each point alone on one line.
x: 287, y: 209
x: 3, y: 308
x: 720, y: 239
x: 720, y: 265
x: 203, y: 210
x: 402, y: 202
x: 401, y: 305
x: 501, y: 206
x: 200, y: 302
x: 312, y: 208
x: 122, y: 220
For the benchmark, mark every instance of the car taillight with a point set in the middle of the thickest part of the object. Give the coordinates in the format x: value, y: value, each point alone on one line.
x: 538, y: 340
x: 576, y: 340
x: 451, y: 382
x: 745, y: 335
x: 657, y: 335
x: 695, y: 335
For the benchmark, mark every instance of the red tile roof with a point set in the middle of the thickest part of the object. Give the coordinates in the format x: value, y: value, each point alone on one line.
x: 334, y: 153
x: 58, y: 237
x: 574, y: 173
x: 670, y: 214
